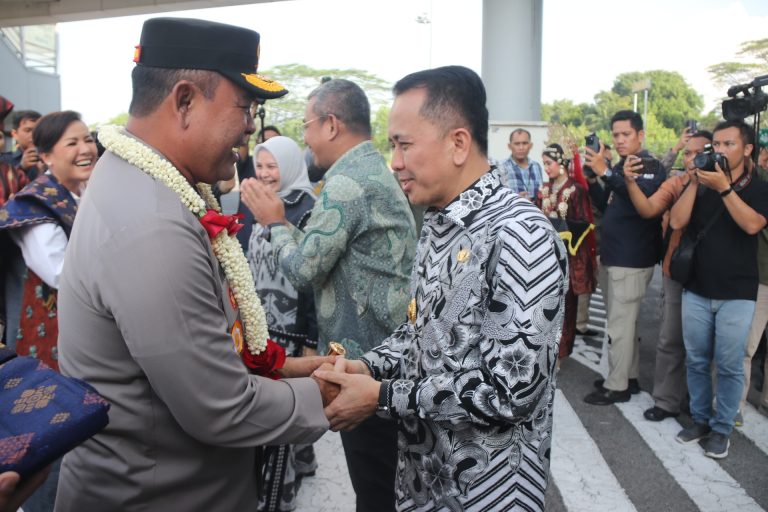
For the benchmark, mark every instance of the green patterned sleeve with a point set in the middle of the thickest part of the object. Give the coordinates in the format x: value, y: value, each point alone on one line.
x: 307, y: 257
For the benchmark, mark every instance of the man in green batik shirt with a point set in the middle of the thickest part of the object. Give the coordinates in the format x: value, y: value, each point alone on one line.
x: 356, y: 252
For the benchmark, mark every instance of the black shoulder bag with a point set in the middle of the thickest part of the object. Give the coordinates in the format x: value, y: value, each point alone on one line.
x: 681, y: 263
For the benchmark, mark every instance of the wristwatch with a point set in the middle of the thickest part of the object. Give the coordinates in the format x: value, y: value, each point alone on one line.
x: 382, y: 406
x: 608, y: 173
x: 726, y: 192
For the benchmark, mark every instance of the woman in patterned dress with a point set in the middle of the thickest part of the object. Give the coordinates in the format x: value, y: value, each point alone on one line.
x: 34, y: 231
x: 280, y: 164
x: 38, y: 221
x: 565, y: 200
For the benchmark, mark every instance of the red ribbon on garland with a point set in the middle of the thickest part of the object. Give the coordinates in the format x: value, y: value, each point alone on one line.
x: 267, y: 362
x: 214, y: 223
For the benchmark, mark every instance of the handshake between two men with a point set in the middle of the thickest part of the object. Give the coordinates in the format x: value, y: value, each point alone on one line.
x: 349, y: 393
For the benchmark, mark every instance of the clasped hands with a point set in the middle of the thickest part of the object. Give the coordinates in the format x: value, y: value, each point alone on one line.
x: 353, y: 394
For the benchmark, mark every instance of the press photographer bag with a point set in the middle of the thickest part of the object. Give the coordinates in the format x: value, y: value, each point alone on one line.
x: 681, y: 263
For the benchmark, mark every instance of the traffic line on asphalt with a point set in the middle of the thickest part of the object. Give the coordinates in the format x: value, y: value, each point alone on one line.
x: 705, y: 481
x: 710, y: 487
x: 579, y: 470
x: 755, y: 427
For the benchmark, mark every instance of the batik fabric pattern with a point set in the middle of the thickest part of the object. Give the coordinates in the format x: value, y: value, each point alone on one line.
x: 43, y: 200
x: 292, y: 324
x: 473, y: 369
x: 355, y: 252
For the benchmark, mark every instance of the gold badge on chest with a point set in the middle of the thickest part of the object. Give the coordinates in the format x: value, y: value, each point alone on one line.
x: 462, y: 256
x: 412, y: 311
x: 237, y: 336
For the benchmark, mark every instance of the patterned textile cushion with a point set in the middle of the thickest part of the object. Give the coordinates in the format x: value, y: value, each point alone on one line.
x: 43, y: 414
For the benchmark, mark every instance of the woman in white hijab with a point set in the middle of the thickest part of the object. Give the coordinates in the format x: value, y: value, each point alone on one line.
x: 280, y: 164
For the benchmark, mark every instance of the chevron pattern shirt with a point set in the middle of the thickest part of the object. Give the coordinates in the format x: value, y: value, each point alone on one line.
x: 472, y: 372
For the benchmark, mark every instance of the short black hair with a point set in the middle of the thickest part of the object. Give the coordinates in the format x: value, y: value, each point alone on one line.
x: 746, y: 131
x: 635, y: 119
x: 24, y: 115
x: 519, y: 130
x: 702, y: 134
x: 455, y: 97
x: 51, y: 127
x: 152, y: 85
x: 347, y: 101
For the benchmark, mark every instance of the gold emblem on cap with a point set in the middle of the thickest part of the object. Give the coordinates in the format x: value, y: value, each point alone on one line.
x: 262, y: 83
x: 336, y: 349
x: 412, y: 311
x: 462, y: 256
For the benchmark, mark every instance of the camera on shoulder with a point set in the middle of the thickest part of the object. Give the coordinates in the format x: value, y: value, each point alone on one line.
x: 707, y: 159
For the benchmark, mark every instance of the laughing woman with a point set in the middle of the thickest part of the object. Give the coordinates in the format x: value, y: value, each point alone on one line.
x: 565, y: 200
x: 39, y: 219
x: 34, y: 231
x: 290, y: 313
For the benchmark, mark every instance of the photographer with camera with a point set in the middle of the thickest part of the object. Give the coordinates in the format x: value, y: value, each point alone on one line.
x: 669, y: 387
x: 719, y: 298
x: 630, y: 246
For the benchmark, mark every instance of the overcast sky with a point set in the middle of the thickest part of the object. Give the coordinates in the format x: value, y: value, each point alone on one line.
x: 586, y: 43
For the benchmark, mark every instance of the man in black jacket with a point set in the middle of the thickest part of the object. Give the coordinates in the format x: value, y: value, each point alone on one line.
x: 630, y: 246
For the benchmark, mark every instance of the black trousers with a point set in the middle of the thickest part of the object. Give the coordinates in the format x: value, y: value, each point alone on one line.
x: 371, y: 453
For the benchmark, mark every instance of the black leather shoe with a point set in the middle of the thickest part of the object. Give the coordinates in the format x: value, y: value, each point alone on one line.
x: 588, y: 332
x: 658, y: 414
x: 634, y: 385
x: 607, y: 397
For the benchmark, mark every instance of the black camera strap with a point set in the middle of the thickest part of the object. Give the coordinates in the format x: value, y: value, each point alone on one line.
x: 743, y: 181
x: 701, y: 234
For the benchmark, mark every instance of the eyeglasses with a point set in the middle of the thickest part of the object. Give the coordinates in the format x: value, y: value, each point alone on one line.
x: 305, y: 125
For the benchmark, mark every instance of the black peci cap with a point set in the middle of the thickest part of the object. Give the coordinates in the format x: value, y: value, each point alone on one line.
x: 186, y: 43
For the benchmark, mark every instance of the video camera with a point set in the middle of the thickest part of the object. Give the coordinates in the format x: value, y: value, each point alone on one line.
x: 750, y: 103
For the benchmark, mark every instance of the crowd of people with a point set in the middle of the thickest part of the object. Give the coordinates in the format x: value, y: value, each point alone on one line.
x: 226, y: 345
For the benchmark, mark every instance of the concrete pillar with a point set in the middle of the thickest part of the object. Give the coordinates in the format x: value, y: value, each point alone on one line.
x: 511, y: 71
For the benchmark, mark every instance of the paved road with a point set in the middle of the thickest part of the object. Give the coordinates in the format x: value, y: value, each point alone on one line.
x: 610, y: 458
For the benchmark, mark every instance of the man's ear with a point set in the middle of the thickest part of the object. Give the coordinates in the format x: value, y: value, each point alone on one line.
x: 748, y: 150
x: 641, y: 135
x: 334, y: 126
x: 183, y: 95
x: 461, y: 141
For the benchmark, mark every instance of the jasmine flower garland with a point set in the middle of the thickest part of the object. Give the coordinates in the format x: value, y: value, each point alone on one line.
x: 226, y: 248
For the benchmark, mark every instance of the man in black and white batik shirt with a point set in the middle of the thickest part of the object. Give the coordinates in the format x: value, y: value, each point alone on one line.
x: 470, y: 375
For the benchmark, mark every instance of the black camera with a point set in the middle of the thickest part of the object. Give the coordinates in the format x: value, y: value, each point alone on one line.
x: 692, y: 126
x: 751, y: 102
x: 592, y: 141
x: 707, y: 159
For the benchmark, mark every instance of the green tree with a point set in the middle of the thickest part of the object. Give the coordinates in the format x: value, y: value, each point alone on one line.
x: 754, y: 62
x: 670, y: 98
x: 670, y: 102
x: 379, y: 124
x: 566, y: 112
x: 287, y: 112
